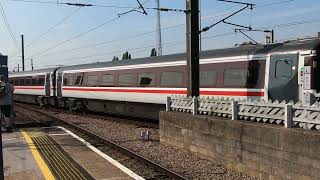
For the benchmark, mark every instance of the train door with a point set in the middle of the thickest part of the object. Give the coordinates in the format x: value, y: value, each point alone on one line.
x: 59, y: 85
x: 48, y: 84
x: 283, y: 77
x: 54, y: 83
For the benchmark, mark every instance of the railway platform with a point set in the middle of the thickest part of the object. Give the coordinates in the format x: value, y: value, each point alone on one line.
x: 56, y: 153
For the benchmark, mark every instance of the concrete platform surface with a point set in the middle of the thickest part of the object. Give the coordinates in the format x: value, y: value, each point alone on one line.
x: 43, y: 153
x: 19, y: 162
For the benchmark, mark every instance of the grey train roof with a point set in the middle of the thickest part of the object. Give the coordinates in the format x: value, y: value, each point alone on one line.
x: 47, y: 70
x: 308, y: 44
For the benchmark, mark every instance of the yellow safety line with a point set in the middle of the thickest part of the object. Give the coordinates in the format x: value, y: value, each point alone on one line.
x: 63, y: 159
x: 60, y: 170
x: 42, y: 165
x: 58, y: 157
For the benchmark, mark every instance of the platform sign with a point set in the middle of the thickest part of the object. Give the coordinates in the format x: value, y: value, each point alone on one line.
x: 3, y: 61
x: 4, y: 65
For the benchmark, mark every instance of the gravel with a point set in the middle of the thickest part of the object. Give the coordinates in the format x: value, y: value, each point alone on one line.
x: 128, y: 135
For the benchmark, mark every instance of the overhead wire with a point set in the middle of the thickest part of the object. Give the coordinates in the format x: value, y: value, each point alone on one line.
x: 119, y: 51
x: 247, y: 7
x: 275, y: 3
x: 34, y: 1
x: 203, y: 38
x: 111, y: 41
x: 133, y: 36
x: 137, y: 50
x: 56, y: 25
x: 174, y: 43
x: 52, y: 27
x: 141, y: 34
x: 81, y: 34
x: 74, y: 4
x: 7, y: 24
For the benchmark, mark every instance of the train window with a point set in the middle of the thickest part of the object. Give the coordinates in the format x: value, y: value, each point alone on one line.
x: 147, y: 79
x: 208, y: 78
x: 67, y: 80
x: 92, y: 81
x: 27, y: 82
x: 16, y: 82
x: 21, y: 82
x: 79, y: 80
x: 40, y: 81
x: 125, y: 80
x: 235, y: 77
x: 171, y: 79
x: 107, y: 80
x: 34, y: 81
x: 283, y: 69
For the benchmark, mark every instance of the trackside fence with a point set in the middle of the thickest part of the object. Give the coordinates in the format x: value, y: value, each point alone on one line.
x: 284, y: 113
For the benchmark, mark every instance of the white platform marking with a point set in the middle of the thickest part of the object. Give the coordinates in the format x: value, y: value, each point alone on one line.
x: 106, y: 157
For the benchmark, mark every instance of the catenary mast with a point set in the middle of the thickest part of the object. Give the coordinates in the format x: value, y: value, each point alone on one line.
x: 159, y: 40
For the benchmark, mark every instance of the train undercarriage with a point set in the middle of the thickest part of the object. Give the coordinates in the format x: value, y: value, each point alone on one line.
x: 143, y: 110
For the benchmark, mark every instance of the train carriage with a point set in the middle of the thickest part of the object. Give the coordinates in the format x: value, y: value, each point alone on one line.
x: 139, y: 87
x: 34, y: 86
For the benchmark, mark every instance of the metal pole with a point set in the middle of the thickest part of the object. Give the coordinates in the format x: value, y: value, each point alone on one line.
x: 193, y: 47
x: 1, y: 155
x: 200, y: 27
x: 22, y: 50
x: 31, y: 64
x: 159, y: 38
x: 272, y: 36
x: 18, y: 68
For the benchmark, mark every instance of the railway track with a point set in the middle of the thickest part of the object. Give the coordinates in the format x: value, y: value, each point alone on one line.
x: 161, y: 172
x: 149, y: 123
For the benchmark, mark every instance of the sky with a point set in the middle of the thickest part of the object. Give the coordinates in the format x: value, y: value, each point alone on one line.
x: 58, y: 34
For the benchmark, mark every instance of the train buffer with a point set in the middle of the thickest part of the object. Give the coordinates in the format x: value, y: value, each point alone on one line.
x: 56, y: 153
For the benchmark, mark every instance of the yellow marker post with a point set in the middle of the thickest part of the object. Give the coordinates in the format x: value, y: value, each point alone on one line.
x: 42, y: 165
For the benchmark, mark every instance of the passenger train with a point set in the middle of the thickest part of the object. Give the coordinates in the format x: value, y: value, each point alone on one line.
x: 138, y: 87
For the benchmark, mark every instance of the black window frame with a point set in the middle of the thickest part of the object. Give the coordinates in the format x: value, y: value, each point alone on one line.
x: 153, y: 82
x: 130, y: 84
x: 78, y: 80
x: 34, y: 81
x: 97, y: 81
x: 41, y: 81
x: 181, y: 74
x: 102, y: 82
x: 27, y: 81
x: 276, y: 69
x: 214, y: 81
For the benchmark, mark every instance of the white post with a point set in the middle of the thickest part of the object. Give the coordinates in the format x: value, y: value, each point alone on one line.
x: 288, y: 116
x: 234, y: 115
x: 168, y: 104
x: 195, y: 105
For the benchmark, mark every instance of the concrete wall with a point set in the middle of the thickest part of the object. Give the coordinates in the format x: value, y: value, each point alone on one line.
x: 256, y: 149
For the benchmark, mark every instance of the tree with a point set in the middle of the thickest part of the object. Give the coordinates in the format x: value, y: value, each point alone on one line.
x: 153, y: 52
x: 126, y: 55
x: 115, y: 58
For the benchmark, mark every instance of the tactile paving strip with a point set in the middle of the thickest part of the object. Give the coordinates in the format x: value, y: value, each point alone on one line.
x: 62, y: 166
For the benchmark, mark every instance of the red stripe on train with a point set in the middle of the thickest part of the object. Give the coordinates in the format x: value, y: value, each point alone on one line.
x: 30, y: 88
x: 222, y: 93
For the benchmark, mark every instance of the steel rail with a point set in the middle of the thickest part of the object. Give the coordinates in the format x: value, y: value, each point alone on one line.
x: 122, y: 149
